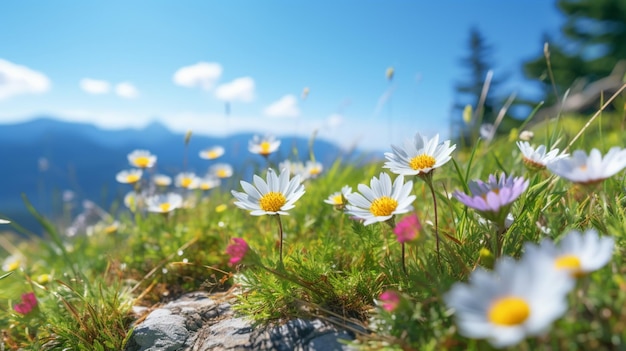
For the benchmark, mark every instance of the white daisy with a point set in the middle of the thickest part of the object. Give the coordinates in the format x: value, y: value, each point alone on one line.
x: 294, y: 167
x: 515, y: 300
x: 583, y: 169
x: 186, y: 180
x: 134, y: 201
x: 338, y: 199
x: 142, y: 159
x: 221, y: 170
x: 263, y: 146
x: 131, y: 176
x: 162, y: 180
x: 276, y: 196
x: 13, y: 262
x: 381, y: 200
x: 538, y: 158
x: 212, y: 153
x: 209, y: 182
x: 419, y: 156
x: 312, y: 169
x: 164, y: 203
x: 577, y: 253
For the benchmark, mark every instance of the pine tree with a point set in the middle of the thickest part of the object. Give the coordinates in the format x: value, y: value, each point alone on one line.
x: 594, y: 41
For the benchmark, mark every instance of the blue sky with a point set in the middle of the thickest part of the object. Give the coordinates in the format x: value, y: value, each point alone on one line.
x: 125, y: 63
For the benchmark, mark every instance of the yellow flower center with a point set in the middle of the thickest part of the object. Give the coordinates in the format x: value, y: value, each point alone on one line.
x: 132, y: 178
x: 165, y: 207
x: 186, y: 182
x: 571, y: 263
x: 383, y: 206
x: 43, y: 278
x: 142, y: 161
x: 265, y: 148
x: 422, y: 161
x: 221, y: 208
x: 211, y: 154
x: 222, y: 173
x: 509, y: 311
x: 161, y: 182
x: 205, y: 186
x: 338, y: 199
x: 272, y: 201
x: 110, y: 229
x: 315, y: 171
x: 13, y: 266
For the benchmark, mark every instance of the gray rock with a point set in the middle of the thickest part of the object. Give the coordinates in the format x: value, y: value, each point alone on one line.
x: 197, y: 322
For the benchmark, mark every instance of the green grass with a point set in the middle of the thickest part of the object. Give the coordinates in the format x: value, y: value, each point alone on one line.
x: 334, y: 267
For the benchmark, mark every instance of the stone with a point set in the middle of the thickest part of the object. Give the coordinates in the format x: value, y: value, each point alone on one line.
x: 201, y: 322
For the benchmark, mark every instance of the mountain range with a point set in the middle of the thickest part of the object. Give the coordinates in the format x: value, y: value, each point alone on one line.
x: 46, y: 157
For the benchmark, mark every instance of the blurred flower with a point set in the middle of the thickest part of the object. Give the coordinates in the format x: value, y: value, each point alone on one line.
x: 221, y: 208
x: 4, y: 221
x: 276, y: 196
x: 515, y: 300
x: 263, y: 146
x: 486, y: 131
x: 164, y: 203
x: 212, y: 153
x: 295, y: 168
x: 526, y: 135
x: 583, y: 169
x: 43, y: 164
x: 141, y: 159
x: 577, y: 253
x: 408, y: 228
x: 209, y: 182
x: 313, y: 169
x: 13, y: 262
x: 390, y: 300
x: 467, y: 114
x: 43, y: 279
x: 338, y: 199
x: 537, y: 159
x: 419, y: 156
x: 68, y: 195
x: 237, y: 250
x: 186, y: 180
x: 161, y: 180
x: 134, y: 201
x: 493, y: 199
x: 389, y: 73
x: 381, y: 200
x: 129, y: 176
x: 221, y: 170
x: 29, y: 302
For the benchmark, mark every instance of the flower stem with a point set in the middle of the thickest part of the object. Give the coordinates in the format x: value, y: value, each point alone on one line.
x: 280, y: 235
x: 403, y: 260
x: 428, y: 178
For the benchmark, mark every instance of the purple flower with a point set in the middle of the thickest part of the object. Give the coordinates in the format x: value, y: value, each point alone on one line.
x: 494, y: 198
x: 237, y: 251
x: 408, y: 228
x: 390, y: 300
x: 29, y: 301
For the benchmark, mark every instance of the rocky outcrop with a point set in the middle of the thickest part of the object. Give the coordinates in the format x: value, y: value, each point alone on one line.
x: 199, y: 322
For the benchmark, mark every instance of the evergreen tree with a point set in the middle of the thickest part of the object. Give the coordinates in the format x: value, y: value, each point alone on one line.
x: 594, y: 41
x: 478, y: 63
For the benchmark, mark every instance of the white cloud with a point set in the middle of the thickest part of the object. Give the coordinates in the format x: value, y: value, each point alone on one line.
x: 240, y: 89
x: 287, y: 106
x: 334, y: 121
x: 202, y: 74
x: 16, y: 79
x: 95, y: 86
x: 126, y: 90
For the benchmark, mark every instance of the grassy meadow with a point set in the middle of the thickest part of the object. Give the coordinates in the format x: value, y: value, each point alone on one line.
x: 393, y: 295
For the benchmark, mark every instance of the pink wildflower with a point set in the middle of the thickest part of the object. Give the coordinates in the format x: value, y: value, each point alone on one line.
x: 237, y: 250
x: 408, y: 228
x: 29, y: 301
x: 390, y: 300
